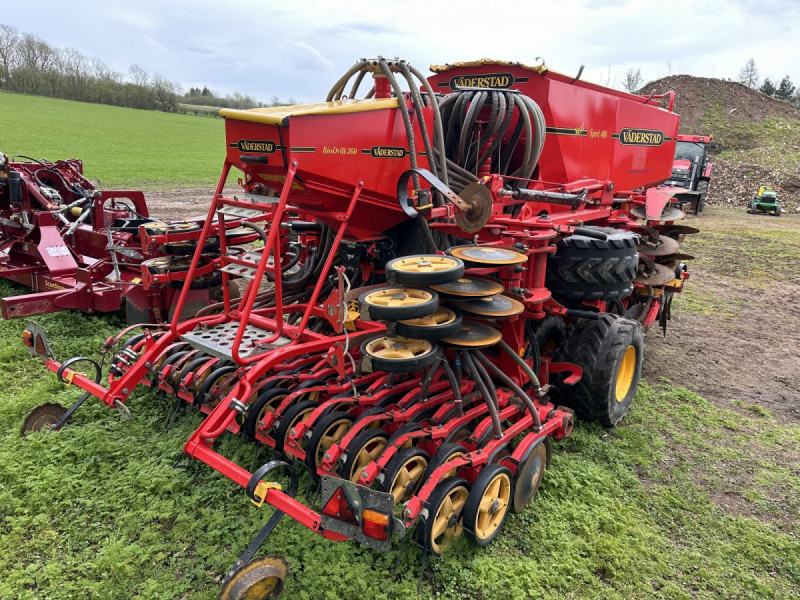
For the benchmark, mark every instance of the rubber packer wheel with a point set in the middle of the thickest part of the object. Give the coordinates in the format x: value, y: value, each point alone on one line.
x: 445, y: 507
x: 425, y: 269
x: 261, y: 578
x: 329, y: 430
x: 362, y: 450
x: 398, y: 354
x: 487, y: 506
x: 403, y: 475
x: 610, y: 352
x: 584, y: 268
x: 395, y: 304
x: 188, y: 248
x: 445, y: 322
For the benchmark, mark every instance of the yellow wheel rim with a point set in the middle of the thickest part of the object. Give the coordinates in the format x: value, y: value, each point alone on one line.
x: 271, y: 406
x: 332, y: 435
x: 443, y: 316
x: 261, y: 590
x: 398, y: 297
x: 451, y: 458
x: 408, y: 479
x: 627, y: 368
x: 424, y: 264
x: 493, y: 506
x: 447, y: 520
x: 366, y: 454
x: 398, y: 348
x: 302, y: 416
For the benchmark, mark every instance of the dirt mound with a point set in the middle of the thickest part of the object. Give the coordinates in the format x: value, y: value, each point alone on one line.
x: 739, y: 103
x: 734, y: 184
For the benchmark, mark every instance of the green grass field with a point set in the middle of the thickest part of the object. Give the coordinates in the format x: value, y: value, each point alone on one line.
x: 98, y: 510
x: 122, y: 147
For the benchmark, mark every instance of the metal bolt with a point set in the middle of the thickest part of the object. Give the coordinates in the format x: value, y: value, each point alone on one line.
x: 148, y: 364
x: 327, y: 456
x: 293, y: 432
x: 124, y: 390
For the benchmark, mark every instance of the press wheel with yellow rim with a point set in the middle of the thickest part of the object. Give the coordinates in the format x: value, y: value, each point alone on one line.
x: 445, y: 507
x: 398, y: 303
x: 397, y: 354
x: 326, y: 432
x: 442, y: 323
x: 403, y: 475
x: 260, y: 579
x: 363, y: 449
x: 487, y: 507
x: 425, y: 269
x: 609, y: 351
x: 447, y: 452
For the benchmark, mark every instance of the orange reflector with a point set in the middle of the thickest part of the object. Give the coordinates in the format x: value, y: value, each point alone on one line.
x: 27, y: 338
x: 375, y: 524
x: 374, y: 516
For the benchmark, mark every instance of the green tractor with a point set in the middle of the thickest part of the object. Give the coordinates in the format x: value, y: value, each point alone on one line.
x: 765, y: 202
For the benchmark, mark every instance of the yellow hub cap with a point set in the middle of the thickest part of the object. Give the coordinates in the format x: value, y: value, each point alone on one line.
x: 398, y: 297
x: 425, y: 264
x: 493, y: 506
x: 447, y: 521
x: 627, y: 368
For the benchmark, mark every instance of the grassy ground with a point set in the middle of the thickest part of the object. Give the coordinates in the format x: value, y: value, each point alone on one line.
x: 122, y: 147
x: 99, y: 510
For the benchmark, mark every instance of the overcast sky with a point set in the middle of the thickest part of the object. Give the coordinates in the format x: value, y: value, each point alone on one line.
x: 298, y: 48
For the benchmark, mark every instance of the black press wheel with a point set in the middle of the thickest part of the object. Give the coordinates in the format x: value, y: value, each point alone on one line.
x: 362, y: 450
x: 403, y: 474
x: 398, y: 303
x: 329, y: 430
x: 266, y: 403
x: 445, y: 507
x: 610, y: 352
x: 446, y: 452
x: 488, y: 503
x: 296, y: 413
x: 397, y: 354
x: 425, y: 269
x: 187, y: 248
x: 445, y: 322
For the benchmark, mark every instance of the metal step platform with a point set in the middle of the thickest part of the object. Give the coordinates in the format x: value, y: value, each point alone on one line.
x: 217, y: 340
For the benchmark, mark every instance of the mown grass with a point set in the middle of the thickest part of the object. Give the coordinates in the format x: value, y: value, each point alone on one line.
x: 122, y: 147
x: 98, y: 510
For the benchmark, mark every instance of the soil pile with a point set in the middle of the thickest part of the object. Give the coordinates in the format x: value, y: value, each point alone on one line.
x: 740, y: 104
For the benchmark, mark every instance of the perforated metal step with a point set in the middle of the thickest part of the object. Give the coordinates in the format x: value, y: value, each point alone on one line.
x: 247, y: 271
x: 239, y: 212
x: 217, y: 340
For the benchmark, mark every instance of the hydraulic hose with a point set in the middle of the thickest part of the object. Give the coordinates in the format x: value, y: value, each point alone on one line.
x: 522, y: 365
x: 469, y: 364
x: 454, y: 383
x: 508, y: 382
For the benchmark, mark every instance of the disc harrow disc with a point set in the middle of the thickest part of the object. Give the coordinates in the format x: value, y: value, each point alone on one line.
x: 442, y: 323
x: 398, y: 354
x: 670, y: 213
x: 261, y: 578
x: 676, y: 229
x: 42, y: 417
x: 661, y: 247
x: 659, y: 275
x: 471, y: 287
x: 474, y: 335
x: 488, y: 255
x: 479, y: 199
x: 492, y: 306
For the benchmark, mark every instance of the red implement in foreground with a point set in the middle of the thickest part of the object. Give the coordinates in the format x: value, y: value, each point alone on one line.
x: 478, y: 259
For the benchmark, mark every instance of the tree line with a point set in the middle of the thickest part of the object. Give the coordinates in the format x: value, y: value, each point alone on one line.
x: 29, y: 65
x: 782, y: 90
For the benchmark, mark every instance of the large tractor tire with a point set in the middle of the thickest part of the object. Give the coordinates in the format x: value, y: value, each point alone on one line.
x: 586, y: 269
x: 610, y: 351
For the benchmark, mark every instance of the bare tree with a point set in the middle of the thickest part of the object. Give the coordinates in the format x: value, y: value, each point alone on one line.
x: 138, y: 75
x: 632, y: 81
x: 8, y: 45
x: 748, y: 74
